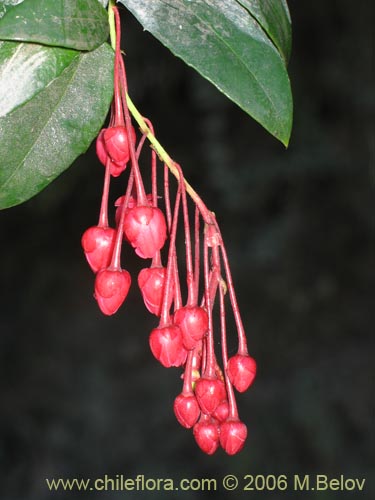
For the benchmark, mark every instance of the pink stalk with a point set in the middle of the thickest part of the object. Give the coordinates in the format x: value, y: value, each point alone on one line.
x: 103, y: 214
x: 167, y: 198
x: 119, y: 117
x: 141, y: 195
x: 191, y: 301
x: 233, y: 412
x: 187, y: 386
x: 156, y: 261
x: 154, y: 183
x: 209, y: 340
x: 176, y: 278
x: 164, y: 317
x: 242, y: 343
x: 177, y: 286
x: 196, y: 253
x: 140, y: 145
x: 116, y: 257
x: 204, y: 355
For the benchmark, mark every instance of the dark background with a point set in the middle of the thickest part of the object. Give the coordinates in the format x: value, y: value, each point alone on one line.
x: 81, y: 395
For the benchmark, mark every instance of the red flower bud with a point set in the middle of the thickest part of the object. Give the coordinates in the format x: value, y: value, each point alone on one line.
x: 233, y: 435
x: 111, y: 289
x: 146, y: 230
x: 166, y: 346
x: 97, y: 243
x: 151, y: 283
x: 193, y: 322
x: 206, y: 435
x: 186, y: 409
x: 222, y: 411
x: 210, y: 392
x: 115, y: 168
x: 132, y: 202
x: 116, y: 143
x: 241, y: 370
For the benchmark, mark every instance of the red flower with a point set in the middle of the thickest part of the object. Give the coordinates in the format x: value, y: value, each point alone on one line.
x: 186, y: 409
x: 146, y: 230
x: 193, y: 322
x: 210, y: 392
x: 206, y: 435
x: 151, y: 281
x: 233, y: 435
x: 241, y: 370
x: 97, y: 243
x: 166, y: 346
x: 116, y: 143
x: 111, y: 289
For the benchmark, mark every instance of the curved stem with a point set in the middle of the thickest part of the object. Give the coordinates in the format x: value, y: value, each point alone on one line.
x: 167, y: 199
x: 164, y: 156
x: 187, y: 386
x: 242, y: 343
x: 196, y: 253
x: 177, y: 287
x: 141, y: 195
x: 103, y: 214
x: 154, y: 178
x: 233, y: 412
x: 191, y: 301
x: 164, y: 317
x: 114, y: 27
x: 209, y: 370
x: 116, y: 256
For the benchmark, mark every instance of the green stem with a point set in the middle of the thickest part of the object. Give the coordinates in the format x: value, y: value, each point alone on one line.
x: 111, y: 22
x: 164, y: 157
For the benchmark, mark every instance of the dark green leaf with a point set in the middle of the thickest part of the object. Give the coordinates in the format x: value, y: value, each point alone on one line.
x: 26, y: 68
x: 41, y: 139
x: 227, y: 45
x: 75, y: 24
x: 274, y: 17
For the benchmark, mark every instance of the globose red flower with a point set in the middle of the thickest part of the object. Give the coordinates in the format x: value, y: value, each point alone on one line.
x: 151, y: 281
x: 233, y: 435
x: 186, y: 409
x: 116, y: 143
x: 145, y: 229
x: 166, y: 346
x: 222, y: 411
x: 241, y: 370
x: 111, y: 289
x: 193, y: 322
x: 206, y: 435
x: 115, y: 168
x: 132, y: 202
x: 97, y: 243
x: 210, y: 392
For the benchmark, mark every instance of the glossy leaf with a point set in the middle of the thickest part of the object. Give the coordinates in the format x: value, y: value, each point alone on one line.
x: 41, y: 138
x: 274, y: 17
x: 26, y: 68
x: 225, y: 43
x: 76, y: 24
